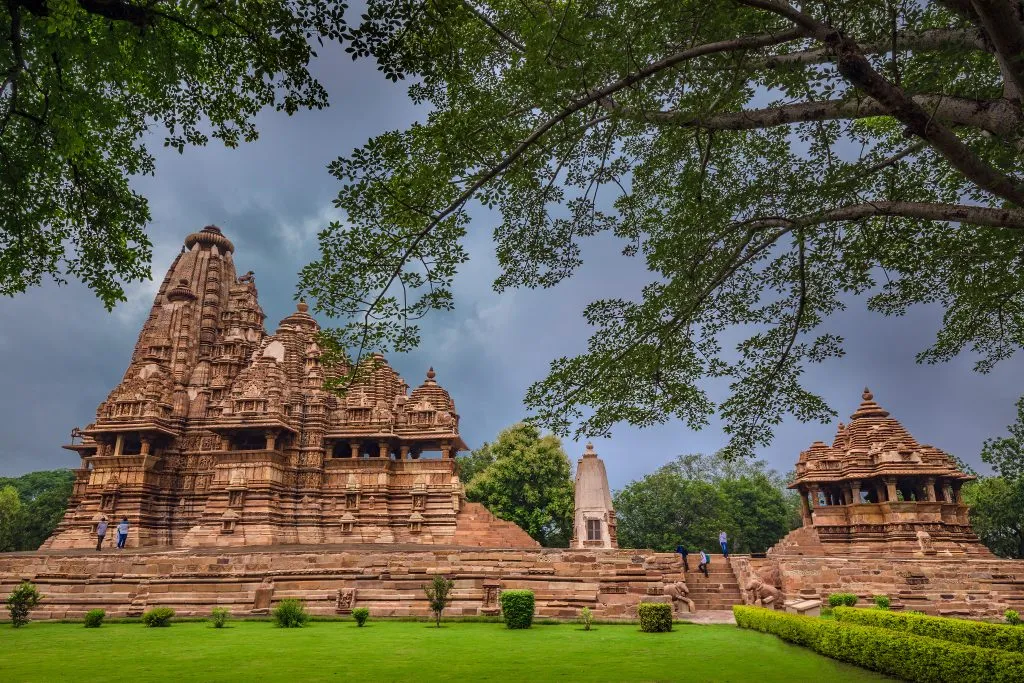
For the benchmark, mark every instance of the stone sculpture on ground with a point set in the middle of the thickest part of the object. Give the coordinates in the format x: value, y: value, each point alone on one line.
x: 679, y: 593
x: 762, y: 594
x: 594, y: 519
x: 223, y: 435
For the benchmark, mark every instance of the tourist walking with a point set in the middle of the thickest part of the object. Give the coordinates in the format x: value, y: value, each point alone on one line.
x: 122, y: 532
x: 704, y: 561
x: 101, y: 531
x: 681, y: 549
x: 722, y: 542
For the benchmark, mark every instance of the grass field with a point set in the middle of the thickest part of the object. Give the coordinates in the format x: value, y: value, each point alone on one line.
x: 257, y: 651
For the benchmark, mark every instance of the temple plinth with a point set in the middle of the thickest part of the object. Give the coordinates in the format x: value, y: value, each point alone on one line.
x: 877, y: 490
x: 221, y: 434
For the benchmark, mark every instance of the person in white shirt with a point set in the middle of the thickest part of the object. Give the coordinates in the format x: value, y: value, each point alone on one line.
x: 722, y: 542
x: 122, y: 532
x: 704, y: 560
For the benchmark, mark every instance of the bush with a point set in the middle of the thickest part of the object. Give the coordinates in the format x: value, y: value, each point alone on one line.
x: 94, y: 618
x: 439, y: 595
x: 842, y: 599
x: 977, y: 633
x: 1012, y: 618
x: 903, y: 655
x: 21, y: 601
x: 882, y: 602
x: 361, y: 614
x: 158, y: 616
x: 586, y: 618
x: 517, y: 608
x: 291, y: 613
x: 219, y: 616
x: 655, y: 617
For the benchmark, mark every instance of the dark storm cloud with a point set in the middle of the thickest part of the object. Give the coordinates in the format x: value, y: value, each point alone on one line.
x: 61, y: 353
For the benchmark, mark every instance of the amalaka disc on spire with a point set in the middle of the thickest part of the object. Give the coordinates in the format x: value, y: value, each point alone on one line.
x: 868, y: 407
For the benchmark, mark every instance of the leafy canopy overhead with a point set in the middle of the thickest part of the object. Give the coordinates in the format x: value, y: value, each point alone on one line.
x: 85, y: 80
x: 768, y: 161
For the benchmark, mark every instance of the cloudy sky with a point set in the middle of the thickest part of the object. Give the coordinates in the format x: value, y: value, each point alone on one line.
x: 61, y: 352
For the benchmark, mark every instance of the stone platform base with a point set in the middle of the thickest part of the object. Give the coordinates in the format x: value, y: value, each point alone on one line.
x: 965, y: 587
x: 332, y: 580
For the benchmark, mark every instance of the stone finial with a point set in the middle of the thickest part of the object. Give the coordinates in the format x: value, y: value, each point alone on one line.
x: 590, y: 451
x: 431, y: 375
x: 867, y: 395
x: 868, y: 407
x: 303, y: 306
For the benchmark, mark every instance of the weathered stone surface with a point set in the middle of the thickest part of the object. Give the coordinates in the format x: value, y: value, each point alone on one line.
x: 223, y: 435
x: 594, y: 523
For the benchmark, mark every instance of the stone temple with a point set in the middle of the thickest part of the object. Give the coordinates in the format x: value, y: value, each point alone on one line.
x: 223, y: 435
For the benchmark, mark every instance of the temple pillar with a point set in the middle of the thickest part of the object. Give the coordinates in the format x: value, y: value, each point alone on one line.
x: 383, y: 449
x: 446, y: 451
x: 403, y: 452
x: 890, y: 489
x: 119, y: 444
x: 814, y: 497
x: 805, y: 508
x: 957, y: 498
x: 271, y: 440
x: 354, y: 445
x: 225, y: 443
x: 855, y: 493
x: 929, y: 489
x: 145, y: 446
x: 947, y: 491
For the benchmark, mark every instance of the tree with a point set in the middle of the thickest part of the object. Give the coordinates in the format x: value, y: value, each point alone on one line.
x: 44, y: 498
x: 694, y: 497
x: 439, y: 595
x: 768, y: 161
x: 10, y: 516
x: 475, y: 463
x: 22, y: 600
x: 84, y: 80
x: 529, y: 483
x: 997, y: 503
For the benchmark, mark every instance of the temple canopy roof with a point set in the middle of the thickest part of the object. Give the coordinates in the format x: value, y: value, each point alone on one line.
x: 873, y: 444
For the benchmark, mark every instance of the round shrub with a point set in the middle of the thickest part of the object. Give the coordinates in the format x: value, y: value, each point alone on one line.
x: 517, y: 608
x: 219, y: 617
x: 291, y: 614
x: 158, y: 616
x: 842, y: 600
x: 1012, y: 618
x: 586, y: 618
x: 361, y: 614
x: 655, y: 617
x: 94, y: 618
x: 882, y: 601
x: 21, y: 601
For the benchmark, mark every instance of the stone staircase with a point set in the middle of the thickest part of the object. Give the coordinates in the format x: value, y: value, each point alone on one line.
x: 720, y: 590
x: 476, y: 526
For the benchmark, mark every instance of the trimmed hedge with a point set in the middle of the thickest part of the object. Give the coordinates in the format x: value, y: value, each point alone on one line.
x: 904, y: 655
x: 360, y: 614
x: 841, y: 599
x: 977, y: 633
x: 94, y: 618
x: 655, y: 617
x: 158, y: 617
x: 517, y: 608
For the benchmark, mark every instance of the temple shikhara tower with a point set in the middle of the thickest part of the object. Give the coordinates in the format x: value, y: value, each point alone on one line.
x: 594, y: 519
x: 223, y: 435
x: 877, y: 490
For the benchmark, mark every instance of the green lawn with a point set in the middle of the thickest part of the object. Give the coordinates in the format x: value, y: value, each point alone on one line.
x: 257, y: 651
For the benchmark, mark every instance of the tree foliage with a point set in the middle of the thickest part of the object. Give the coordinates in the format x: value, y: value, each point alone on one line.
x: 529, y: 483
x: 86, y: 80
x: 770, y: 162
x: 439, y: 595
x: 997, y: 503
x: 694, y: 497
x: 42, y: 498
x: 476, y: 462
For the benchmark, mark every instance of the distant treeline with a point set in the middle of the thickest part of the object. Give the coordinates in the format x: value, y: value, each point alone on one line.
x: 31, y: 506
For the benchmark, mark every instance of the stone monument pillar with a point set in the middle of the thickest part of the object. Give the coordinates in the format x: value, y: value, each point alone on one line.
x: 594, y: 521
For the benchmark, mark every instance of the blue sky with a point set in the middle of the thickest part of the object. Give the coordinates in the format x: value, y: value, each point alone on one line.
x: 61, y: 352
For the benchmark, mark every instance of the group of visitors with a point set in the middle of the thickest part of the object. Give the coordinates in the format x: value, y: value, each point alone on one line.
x: 702, y: 566
x: 122, y: 532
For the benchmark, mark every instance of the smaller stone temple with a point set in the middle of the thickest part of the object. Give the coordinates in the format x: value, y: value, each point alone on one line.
x: 594, y: 521
x: 877, y: 490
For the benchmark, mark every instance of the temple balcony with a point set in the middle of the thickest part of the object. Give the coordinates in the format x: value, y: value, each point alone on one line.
x: 896, y: 512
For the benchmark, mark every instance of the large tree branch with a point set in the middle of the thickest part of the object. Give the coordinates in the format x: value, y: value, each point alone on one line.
x: 928, y: 39
x: 955, y: 213
x: 999, y: 117
x: 854, y: 66
x: 1004, y: 26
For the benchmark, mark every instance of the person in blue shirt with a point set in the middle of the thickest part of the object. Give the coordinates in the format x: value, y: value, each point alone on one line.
x: 681, y: 549
x: 122, y: 532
